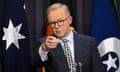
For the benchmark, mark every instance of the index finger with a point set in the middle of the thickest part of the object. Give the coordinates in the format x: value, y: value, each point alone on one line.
x: 51, y: 37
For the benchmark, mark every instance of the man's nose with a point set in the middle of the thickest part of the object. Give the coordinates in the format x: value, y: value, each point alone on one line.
x: 56, y: 25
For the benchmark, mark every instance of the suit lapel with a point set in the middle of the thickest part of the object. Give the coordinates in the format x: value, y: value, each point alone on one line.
x: 78, y: 48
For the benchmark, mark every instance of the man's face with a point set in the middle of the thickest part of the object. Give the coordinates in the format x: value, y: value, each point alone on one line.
x: 59, y: 21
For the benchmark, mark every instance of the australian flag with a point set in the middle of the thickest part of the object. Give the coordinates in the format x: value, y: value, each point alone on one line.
x: 105, y: 30
x: 15, y: 37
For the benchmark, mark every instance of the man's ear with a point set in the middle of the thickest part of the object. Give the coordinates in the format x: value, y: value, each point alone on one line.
x: 70, y: 20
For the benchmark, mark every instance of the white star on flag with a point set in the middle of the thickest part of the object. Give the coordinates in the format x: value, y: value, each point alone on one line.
x: 111, y: 44
x: 110, y: 62
x: 11, y: 35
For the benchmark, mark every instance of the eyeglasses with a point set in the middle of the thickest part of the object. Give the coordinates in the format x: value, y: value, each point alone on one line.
x: 59, y: 22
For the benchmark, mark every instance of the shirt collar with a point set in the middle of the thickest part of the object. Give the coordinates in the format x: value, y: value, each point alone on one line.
x: 70, y: 36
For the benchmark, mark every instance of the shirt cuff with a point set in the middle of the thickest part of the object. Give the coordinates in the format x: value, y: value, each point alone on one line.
x: 43, y: 54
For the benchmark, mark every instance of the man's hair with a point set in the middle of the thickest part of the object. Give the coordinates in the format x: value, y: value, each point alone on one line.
x: 56, y: 6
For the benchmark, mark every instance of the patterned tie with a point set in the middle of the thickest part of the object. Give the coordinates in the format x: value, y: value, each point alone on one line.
x: 68, y: 55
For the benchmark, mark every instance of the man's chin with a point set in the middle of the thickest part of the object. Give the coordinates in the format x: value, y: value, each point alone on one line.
x: 59, y: 35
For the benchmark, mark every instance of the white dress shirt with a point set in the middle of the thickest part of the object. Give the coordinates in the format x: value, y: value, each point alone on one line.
x: 43, y: 54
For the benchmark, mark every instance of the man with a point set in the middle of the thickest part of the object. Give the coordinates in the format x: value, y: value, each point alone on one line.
x: 66, y: 51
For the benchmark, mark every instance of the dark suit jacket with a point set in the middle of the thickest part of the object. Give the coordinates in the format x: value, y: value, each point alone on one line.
x: 85, y: 53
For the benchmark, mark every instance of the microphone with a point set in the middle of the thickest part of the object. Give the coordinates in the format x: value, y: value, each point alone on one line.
x: 80, y: 66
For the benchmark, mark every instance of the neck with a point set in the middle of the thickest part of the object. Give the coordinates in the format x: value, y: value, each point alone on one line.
x: 64, y: 37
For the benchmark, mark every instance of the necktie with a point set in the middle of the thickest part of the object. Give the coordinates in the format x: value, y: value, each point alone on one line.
x: 68, y: 55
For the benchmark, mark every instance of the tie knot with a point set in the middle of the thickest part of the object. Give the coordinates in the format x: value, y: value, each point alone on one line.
x: 65, y: 41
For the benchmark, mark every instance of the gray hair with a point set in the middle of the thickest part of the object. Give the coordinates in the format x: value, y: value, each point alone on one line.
x: 58, y: 5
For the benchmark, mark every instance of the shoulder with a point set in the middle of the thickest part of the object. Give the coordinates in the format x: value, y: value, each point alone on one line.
x: 84, y: 37
x: 85, y: 40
